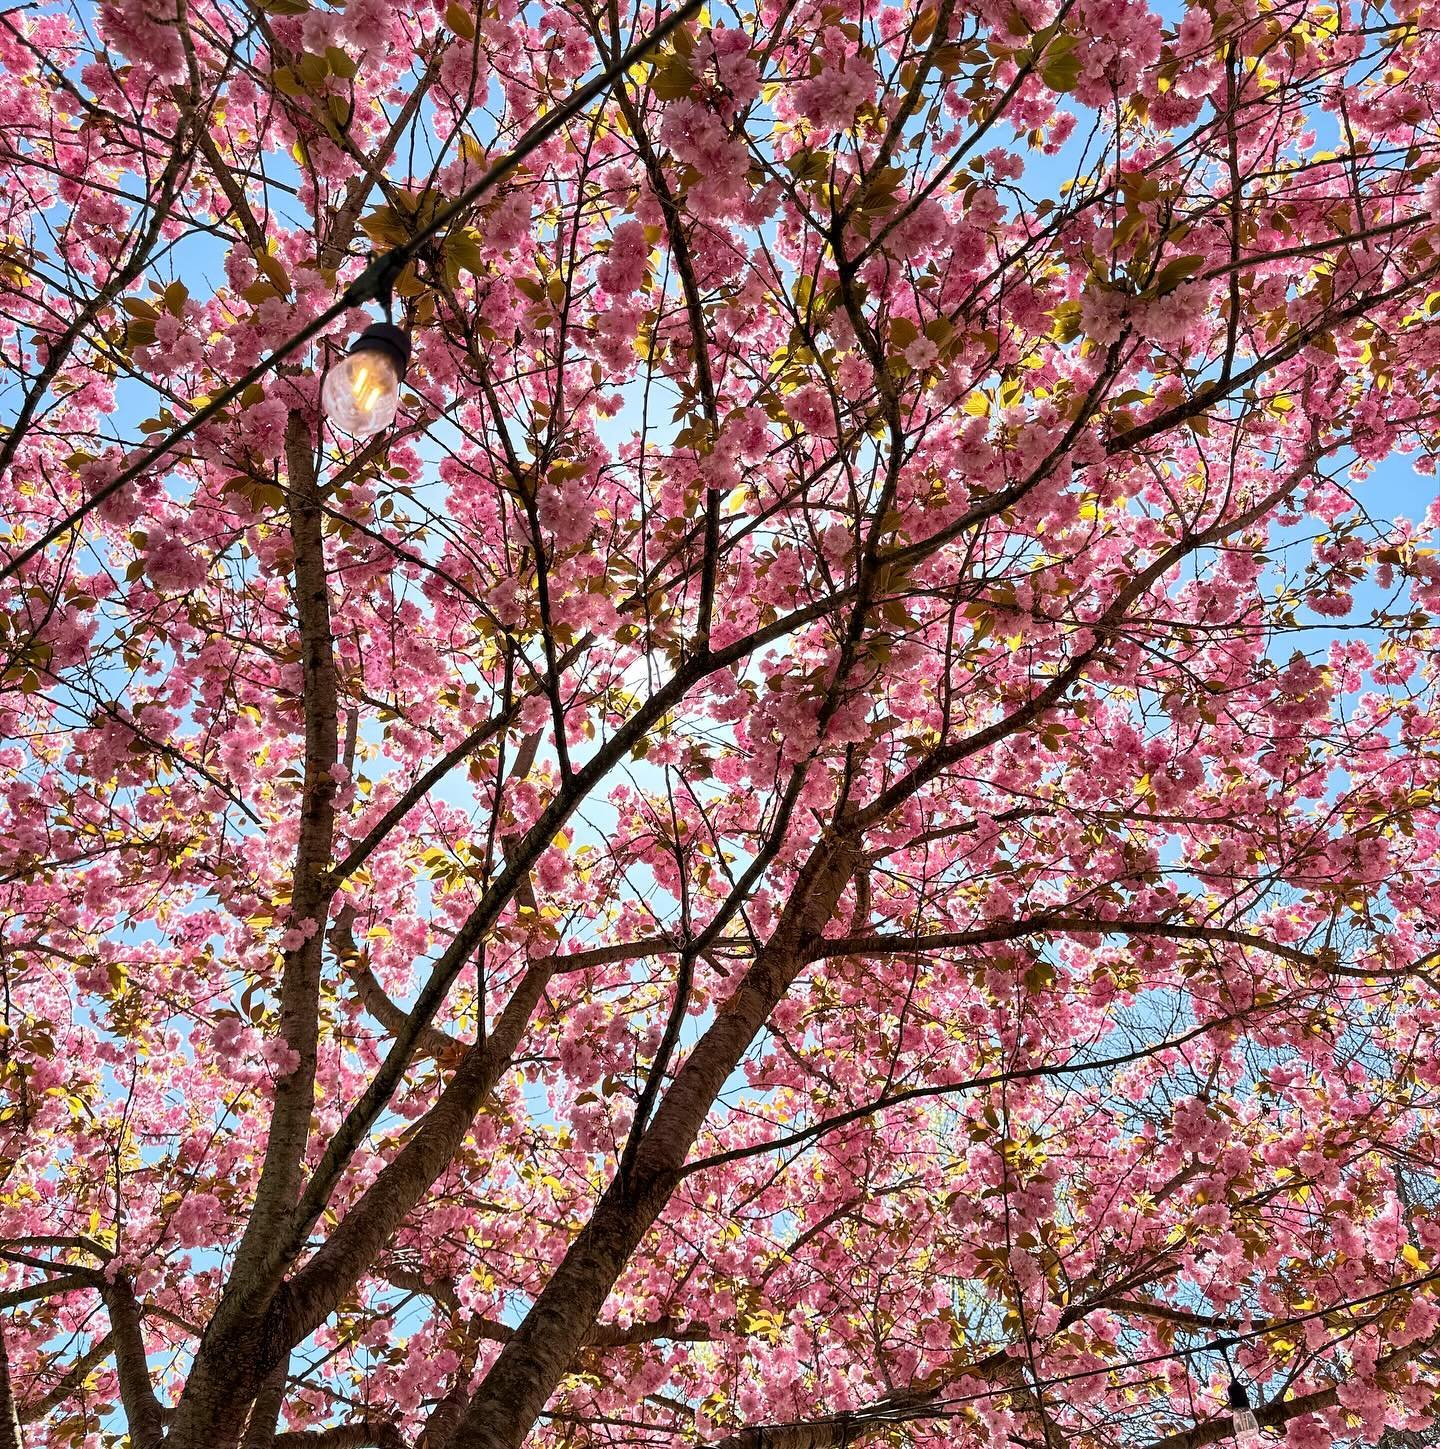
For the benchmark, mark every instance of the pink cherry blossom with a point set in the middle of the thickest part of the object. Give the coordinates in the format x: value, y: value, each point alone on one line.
x: 832, y: 838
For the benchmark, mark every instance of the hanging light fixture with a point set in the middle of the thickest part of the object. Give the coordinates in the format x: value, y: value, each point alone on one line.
x: 361, y: 392
x: 1247, y: 1426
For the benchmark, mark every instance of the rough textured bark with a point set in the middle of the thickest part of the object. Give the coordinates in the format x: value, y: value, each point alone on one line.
x: 366, y: 1434
x: 143, y: 1414
x: 265, y: 1411
x: 440, y: 1427
x: 9, y: 1411
x: 299, y: 1019
x: 822, y: 1434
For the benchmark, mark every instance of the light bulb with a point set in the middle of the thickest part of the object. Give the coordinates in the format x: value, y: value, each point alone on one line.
x: 361, y: 392
x: 1242, y: 1417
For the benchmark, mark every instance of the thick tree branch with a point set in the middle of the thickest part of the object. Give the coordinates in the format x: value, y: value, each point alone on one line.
x: 289, y: 1132
x: 315, y: 1290
x: 364, y: 1434
x: 533, y: 1362
x: 433, y: 1042
x: 10, y: 1437
x: 47, y: 1288
x: 144, y: 1416
x: 1061, y: 923
x: 613, y: 1335
x: 265, y: 1410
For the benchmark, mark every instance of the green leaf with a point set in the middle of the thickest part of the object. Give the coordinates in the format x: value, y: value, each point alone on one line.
x: 940, y: 330
x: 673, y: 80
x: 1067, y: 322
x: 1132, y: 226
x: 313, y: 69
x: 880, y: 189
x: 808, y: 165
x: 462, y: 254
x: 1175, y: 271
x: 902, y: 333
x: 460, y: 20
x: 275, y: 273
x: 1062, y: 74
x: 1060, y: 66
x: 385, y: 225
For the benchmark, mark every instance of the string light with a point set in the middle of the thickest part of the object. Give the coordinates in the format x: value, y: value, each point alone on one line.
x: 1245, y: 1425
x: 1242, y: 1416
x: 361, y: 392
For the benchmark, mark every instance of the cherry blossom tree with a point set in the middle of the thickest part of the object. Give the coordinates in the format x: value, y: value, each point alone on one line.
x: 833, y: 838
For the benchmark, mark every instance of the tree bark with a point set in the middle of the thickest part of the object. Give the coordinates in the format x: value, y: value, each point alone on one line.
x: 279, y: 1185
x: 265, y: 1411
x: 9, y: 1411
x: 143, y: 1414
x: 366, y: 1434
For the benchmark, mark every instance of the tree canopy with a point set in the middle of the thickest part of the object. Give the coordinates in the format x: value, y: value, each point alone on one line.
x: 832, y: 838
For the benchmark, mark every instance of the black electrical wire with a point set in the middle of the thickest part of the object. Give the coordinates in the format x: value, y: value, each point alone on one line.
x: 374, y: 282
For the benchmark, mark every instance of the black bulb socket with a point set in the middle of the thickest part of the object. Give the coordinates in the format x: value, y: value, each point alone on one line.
x: 386, y: 337
x: 1239, y: 1399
